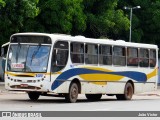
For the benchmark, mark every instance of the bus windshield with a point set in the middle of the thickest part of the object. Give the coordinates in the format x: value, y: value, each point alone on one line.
x: 28, y: 58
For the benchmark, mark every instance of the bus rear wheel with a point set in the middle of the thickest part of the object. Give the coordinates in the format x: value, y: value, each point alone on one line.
x: 33, y: 95
x: 93, y: 97
x: 72, y: 96
x: 128, y: 92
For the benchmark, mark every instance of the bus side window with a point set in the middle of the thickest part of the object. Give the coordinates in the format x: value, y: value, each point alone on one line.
x: 91, y: 54
x: 132, y: 57
x: 152, y: 58
x: 77, y: 52
x: 119, y: 55
x: 143, y: 57
x: 105, y: 54
x: 60, y: 56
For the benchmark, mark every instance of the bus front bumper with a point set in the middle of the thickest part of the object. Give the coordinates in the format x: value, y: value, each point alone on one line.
x: 39, y: 87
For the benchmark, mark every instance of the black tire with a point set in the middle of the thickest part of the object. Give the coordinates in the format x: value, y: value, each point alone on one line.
x: 93, y: 97
x: 72, y: 96
x: 128, y: 92
x: 33, y: 95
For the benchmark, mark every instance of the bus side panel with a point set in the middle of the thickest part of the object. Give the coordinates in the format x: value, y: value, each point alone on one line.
x: 151, y: 84
x: 93, y: 88
x: 86, y: 88
x: 109, y: 88
x: 138, y: 87
x: 149, y: 87
x: 63, y: 88
x: 144, y: 87
x: 115, y: 88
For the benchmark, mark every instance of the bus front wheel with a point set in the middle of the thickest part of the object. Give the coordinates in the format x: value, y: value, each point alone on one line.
x: 73, y: 93
x: 93, y: 97
x: 128, y: 92
x: 33, y: 95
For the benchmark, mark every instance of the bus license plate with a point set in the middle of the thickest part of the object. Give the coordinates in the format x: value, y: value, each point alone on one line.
x: 24, y: 85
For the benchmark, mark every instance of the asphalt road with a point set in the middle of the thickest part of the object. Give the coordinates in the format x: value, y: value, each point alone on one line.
x: 13, y: 101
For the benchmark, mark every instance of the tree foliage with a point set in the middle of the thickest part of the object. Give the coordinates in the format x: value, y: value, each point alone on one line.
x: 104, y: 19
x: 146, y: 27
x: 2, y: 3
x: 13, y: 15
x: 59, y: 16
x: 149, y: 20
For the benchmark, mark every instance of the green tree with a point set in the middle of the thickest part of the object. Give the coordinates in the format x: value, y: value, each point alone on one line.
x: 149, y: 19
x: 137, y: 32
x: 105, y: 19
x: 2, y: 3
x: 59, y: 16
x: 145, y: 22
x: 13, y: 15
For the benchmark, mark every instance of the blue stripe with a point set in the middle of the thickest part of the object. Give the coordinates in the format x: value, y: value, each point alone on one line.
x: 138, y: 76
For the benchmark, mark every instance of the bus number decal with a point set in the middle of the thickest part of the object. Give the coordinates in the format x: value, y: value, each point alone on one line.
x: 39, y: 75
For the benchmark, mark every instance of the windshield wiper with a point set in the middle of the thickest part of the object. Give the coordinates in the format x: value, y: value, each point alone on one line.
x: 35, y: 52
x: 18, y: 49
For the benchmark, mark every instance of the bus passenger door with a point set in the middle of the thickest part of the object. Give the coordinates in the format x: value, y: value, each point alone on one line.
x: 59, y: 60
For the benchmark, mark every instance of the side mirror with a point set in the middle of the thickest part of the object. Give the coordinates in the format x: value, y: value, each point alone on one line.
x: 2, y: 52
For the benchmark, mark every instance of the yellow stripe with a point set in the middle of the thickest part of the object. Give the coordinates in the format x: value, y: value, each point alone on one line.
x: 99, y: 69
x: 56, y: 73
x: 101, y: 77
x: 17, y: 74
x: 27, y: 74
x: 47, y: 73
x: 152, y: 74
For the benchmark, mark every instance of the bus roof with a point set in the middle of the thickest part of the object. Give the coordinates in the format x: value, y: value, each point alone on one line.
x: 57, y: 36
x: 5, y: 44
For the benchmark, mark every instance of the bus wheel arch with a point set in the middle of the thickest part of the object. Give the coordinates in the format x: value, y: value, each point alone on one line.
x: 128, y: 91
x: 130, y: 81
x: 78, y: 83
x: 74, y: 89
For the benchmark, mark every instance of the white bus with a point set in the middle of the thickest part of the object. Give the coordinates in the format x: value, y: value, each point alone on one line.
x: 65, y: 66
x: 4, y: 49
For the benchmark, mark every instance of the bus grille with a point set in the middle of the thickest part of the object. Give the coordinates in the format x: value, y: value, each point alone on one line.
x: 29, y: 87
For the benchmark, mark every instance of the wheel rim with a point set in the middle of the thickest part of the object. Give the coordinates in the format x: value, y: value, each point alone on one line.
x: 74, y: 93
x: 129, y: 92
